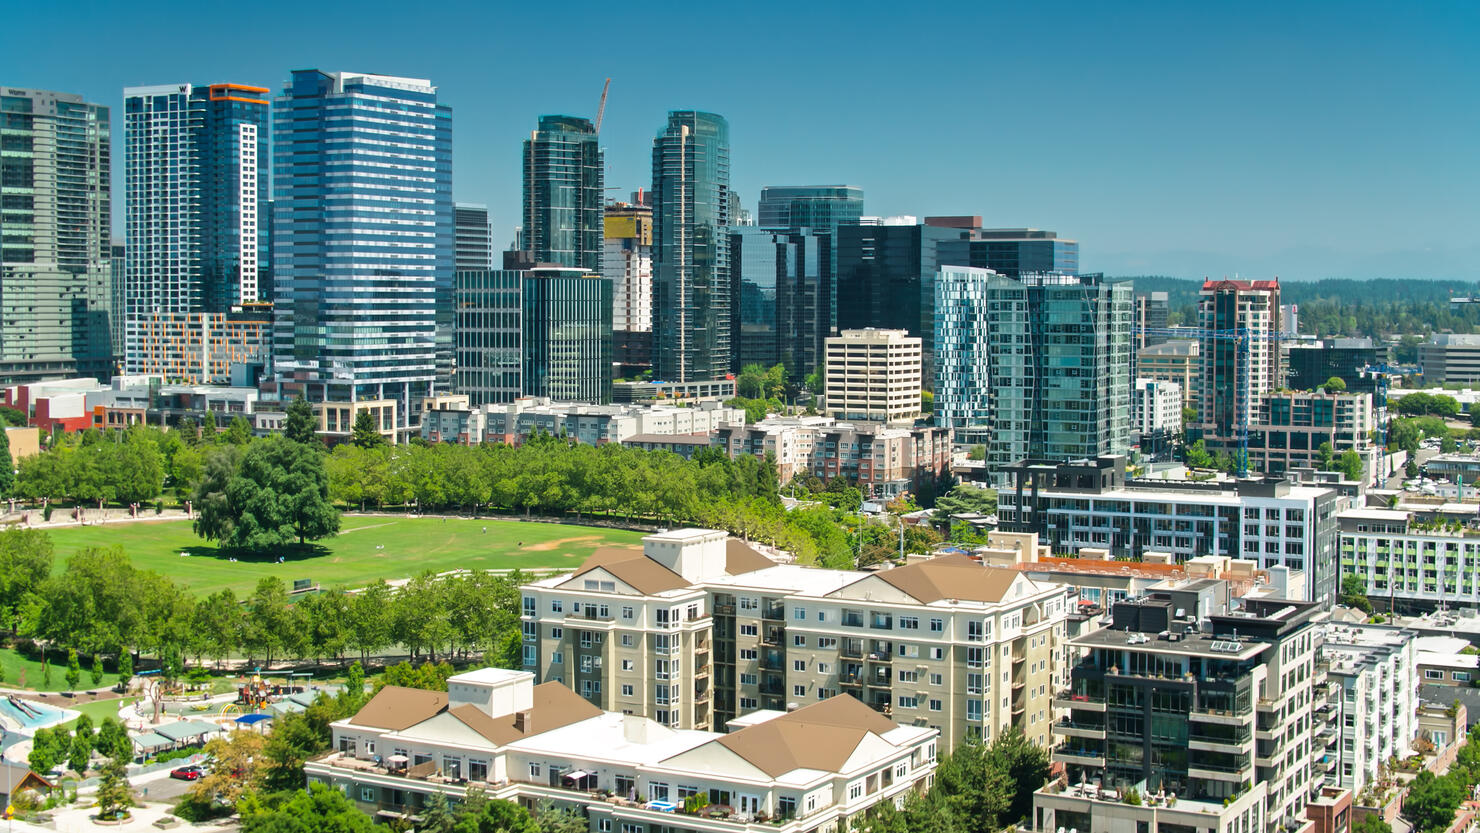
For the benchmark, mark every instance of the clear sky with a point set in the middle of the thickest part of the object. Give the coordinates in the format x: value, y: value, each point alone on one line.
x: 1303, y: 140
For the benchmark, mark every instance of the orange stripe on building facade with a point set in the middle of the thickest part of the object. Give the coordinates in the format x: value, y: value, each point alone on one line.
x: 218, y: 93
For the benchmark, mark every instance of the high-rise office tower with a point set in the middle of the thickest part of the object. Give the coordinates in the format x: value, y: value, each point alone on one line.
x: 1239, y: 322
x: 489, y: 332
x: 963, y: 366
x: 1011, y: 252
x: 1060, y: 351
x: 1152, y: 313
x: 691, y: 252
x: 55, y: 245
x: 363, y: 238
x: 782, y: 298
x: 116, y: 285
x: 563, y: 196
x: 568, y: 335
x: 886, y: 279
x: 628, y: 264
x: 473, y: 243
x: 822, y: 207
x: 195, y: 174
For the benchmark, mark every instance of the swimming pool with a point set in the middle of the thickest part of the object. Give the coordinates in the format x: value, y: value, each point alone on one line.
x: 34, y: 716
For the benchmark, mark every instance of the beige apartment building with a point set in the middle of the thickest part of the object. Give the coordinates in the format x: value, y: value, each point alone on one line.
x: 873, y: 375
x: 1173, y: 361
x: 699, y: 630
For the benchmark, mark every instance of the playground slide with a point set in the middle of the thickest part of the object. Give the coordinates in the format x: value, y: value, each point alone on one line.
x: 23, y: 707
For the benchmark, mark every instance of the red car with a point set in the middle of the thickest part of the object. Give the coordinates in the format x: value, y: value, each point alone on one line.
x: 188, y: 773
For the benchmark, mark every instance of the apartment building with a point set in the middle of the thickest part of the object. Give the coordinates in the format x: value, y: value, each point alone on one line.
x: 591, y: 424
x: 698, y: 630
x: 1091, y: 503
x: 1412, y: 561
x: 1291, y: 427
x: 1207, y: 718
x: 882, y: 460
x: 1173, y: 361
x: 1239, y: 322
x: 873, y: 375
x: 1372, y: 672
x: 497, y: 732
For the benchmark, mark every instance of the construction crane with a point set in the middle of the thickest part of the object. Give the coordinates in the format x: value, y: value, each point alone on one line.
x: 601, y: 109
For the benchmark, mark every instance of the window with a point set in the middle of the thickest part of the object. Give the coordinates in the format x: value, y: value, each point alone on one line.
x: 937, y: 626
x: 534, y: 771
x: 935, y: 679
x: 603, y: 826
x: 1460, y: 676
x: 909, y: 676
x: 937, y: 653
x: 557, y: 657
x: 747, y: 679
x: 367, y: 793
x: 629, y: 665
x: 627, y: 612
x: 799, y: 691
x: 530, y: 655
x: 801, y: 665
x: 557, y: 633
x: 749, y: 603
x: 909, y: 623
x: 974, y: 630
x: 530, y: 630
x: 935, y: 705
x: 855, y: 790
x: 747, y: 704
x: 627, y: 690
x: 799, y: 614
x: 908, y: 702
x: 626, y: 640
x: 748, y: 630
x: 974, y: 710
x: 529, y: 606
x: 799, y: 641
x: 1428, y: 674
x: 747, y: 653
x: 827, y: 642
x: 824, y: 668
x: 556, y: 606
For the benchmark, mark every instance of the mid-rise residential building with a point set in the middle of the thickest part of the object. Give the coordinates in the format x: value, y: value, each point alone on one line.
x: 1091, y: 503
x: 628, y: 263
x: 363, y: 239
x: 195, y: 193
x: 567, y: 338
x: 1060, y: 349
x: 783, y: 295
x: 691, y: 252
x: 563, y: 194
x: 963, y: 364
x: 821, y: 207
x: 497, y: 733
x: 1207, y: 718
x: 1156, y: 415
x: 591, y: 424
x: 700, y: 390
x: 55, y: 243
x: 1291, y: 427
x: 1013, y: 252
x: 873, y: 375
x: 1152, y: 314
x: 1411, y: 560
x: 1240, y: 353
x: 1450, y: 357
x: 1373, y: 673
x: 473, y: 237
x: 1178, y: 361
x: 698, y: 629
x: 881, y: 460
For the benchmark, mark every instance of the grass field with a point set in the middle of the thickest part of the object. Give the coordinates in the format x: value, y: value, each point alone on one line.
x: 367, y: 548
x: 14, y: 663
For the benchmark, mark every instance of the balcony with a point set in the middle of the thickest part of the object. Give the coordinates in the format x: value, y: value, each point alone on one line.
x: 590, y: 615
x: 1078, y: 729
x: 1069, y: 699
x: 1082, y: 755
x: 724, y: 610
x: 773, y: 612
x: 1237, y: 773
x: 773, y: 637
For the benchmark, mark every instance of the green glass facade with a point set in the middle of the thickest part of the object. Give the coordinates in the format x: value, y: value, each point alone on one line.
x: 563, y: 196
x: 568, y: 335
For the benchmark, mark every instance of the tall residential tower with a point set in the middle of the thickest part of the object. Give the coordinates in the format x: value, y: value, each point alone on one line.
x: 1239, y: 322
x: 691, y: 253
x: 563, y: 196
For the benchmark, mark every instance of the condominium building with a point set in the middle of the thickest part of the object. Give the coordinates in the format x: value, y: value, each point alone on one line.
x: 201, y: 347
x: 784, y: 298
x: 691, y: 253
x: 1240, y: 352
x: 697, y: 630
x: 1156, y: 416
x: 563, y: 193
x: 363, y: 238
x: 1373, y: 674
x: 55, y: 245
x: 1411, y: 560
x: 873, y: 375
x: 196, y: 194
x: 1060, y: 349
x: 591, y: 424
x: 1291, y: 427
x: 1152, y: 314
x: 883, y: 461
x: 541, y: 746
x: 628, y: 263
x: 473, y: 241
x: 1207, y: 718
x: 1450, y: 357
x: 1176, y: 361
x: 963, y: 364
x: 1093, y: 504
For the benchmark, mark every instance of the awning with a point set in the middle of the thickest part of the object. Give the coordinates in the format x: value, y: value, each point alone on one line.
x: 253, y: 719
x: 575, y: 774
x: 186, y: 729
x: 150, y: 740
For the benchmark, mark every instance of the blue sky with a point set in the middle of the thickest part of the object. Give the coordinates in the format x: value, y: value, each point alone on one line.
x: 1302, y: 140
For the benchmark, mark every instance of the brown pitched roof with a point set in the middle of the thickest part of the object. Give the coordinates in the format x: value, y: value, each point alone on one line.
x: 740, y: 557
x: 632, y: 567
x: 395, y: 707
x: 554, y: 706
x: 821, y: 736
x: 951, y: 577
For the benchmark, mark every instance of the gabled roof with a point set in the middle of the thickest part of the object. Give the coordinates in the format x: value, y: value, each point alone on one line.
x: 633, y: 568
x: 822, y: 736
x: 951, y: 577
x: 396, y: 707
x: 554, y: 706
x: 740, y: 557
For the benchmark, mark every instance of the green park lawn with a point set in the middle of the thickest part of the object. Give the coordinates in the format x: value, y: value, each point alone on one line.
x: 14, y: 663
x: 367, y: 548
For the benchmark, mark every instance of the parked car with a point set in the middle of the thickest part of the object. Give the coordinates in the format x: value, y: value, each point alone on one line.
x: 188, y: 773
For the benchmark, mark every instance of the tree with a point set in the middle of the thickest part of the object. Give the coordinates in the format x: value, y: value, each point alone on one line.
x: 239, y: 432
x: 1410, y: 469
x: 366, y: 433
x: 80, y: 750
x: 234, y: 768
x: 112, y: 740
x: 966, y: 499
x: 97, y: 670
x: 114, y: 795
x: 977, y: 452
x: 7, y: 466
x: 551, y: 819
x: 1432, y: 801
x: 74, y: 670
x: 1372, y: 823
x: 1335, y: 384
x: 319, y: 809
x: 437, y: 815
x: 974, y: 792
x: 125, y: 669
x: 271, y: 626
x: 1354, y: 593
x: 927, y: 402
x: 25, y: 562
x: 1448, y: 445
x: 46, y: 750
x: 1350, y: 465
x: 301, y: 426
x: 1326, y: 457
x: 496, y: 816
x: 1197, y: 456
x: 278, y: 494
x: 1475, y: 415
x: 1027, y: 768
x: 292, y: 742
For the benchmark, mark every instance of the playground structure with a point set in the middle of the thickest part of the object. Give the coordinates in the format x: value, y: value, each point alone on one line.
x: 259, y: 693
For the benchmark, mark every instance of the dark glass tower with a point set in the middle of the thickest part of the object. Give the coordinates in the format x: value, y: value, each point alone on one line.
x: 568, y: 335
x: 822, y: 207
x: 691, y: 253
x: 563, y: 197
x: 363, y: 238
x: 1012, y: 252
x: 782, y: 293
x: 886, y: 280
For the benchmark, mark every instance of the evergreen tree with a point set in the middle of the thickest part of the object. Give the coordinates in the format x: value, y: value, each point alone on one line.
x: 301, y: 425
x: 366, y: 433
x: 7, y: 466
x: 97, y: 670
x: 114, y: 795
x: 74, y: 670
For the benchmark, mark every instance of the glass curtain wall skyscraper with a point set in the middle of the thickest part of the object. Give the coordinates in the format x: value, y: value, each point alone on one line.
x: 195, y: 163
x: 963, y: 362
x: 568, y: 335
x: 782, y: 294
x: 474, y: 237
x: 1060, y: 348
x: 363, y: 238
x: 563, y: 193
x: 55, y: 246
x: 822, y: 207
x: 691, y: 252
x: 886, y: 279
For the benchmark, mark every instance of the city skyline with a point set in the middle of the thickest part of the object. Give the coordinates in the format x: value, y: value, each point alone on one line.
x: 1173, y: 140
